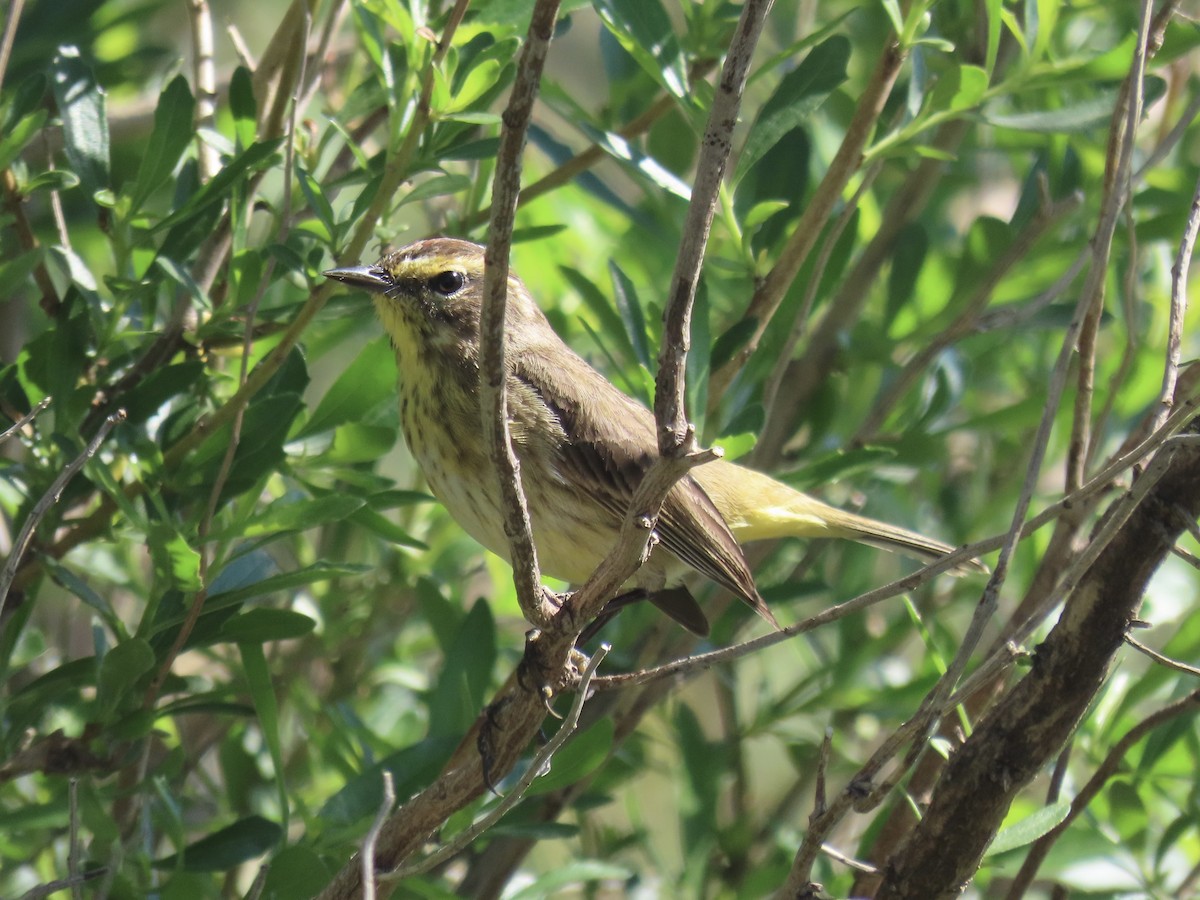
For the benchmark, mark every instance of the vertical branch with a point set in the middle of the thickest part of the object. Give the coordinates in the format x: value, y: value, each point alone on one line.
x: 1116, y: 181
x: 492, y: 370
x: 1179, y: 304
x: 205, y: 75
x: 10, y: 33
x: 675, y: 434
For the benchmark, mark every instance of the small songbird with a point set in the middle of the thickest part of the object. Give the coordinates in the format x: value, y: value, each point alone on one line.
x: 583, y: 445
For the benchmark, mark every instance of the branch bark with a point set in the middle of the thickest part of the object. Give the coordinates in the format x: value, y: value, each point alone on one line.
x: 1024, y: 731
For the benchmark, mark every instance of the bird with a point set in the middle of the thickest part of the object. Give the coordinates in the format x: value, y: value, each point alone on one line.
x: 583, y: 444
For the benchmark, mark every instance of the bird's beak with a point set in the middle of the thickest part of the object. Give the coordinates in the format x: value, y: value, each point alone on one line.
x: 370, y: 278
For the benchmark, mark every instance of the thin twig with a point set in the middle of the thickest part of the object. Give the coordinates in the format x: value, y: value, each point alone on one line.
x: 675, y: 434
x: 24, y: 420
x: 1162, y: 660
x: 857, y: 864
x: 367, y: 857
x: 1179, y: 305
x: 702, y: 661
x: 538, y: 767
x: 73, y: 848
x: 1117, y: 186
x: 25, y: 535
x: 205, y: 74
x: 53, y: 887
x: 493, y: 372
x: 10, y: 32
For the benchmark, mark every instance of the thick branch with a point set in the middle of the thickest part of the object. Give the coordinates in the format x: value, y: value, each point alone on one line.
x: 1029, y: 725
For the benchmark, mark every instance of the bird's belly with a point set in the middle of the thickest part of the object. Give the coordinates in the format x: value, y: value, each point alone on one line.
x: 572, y: 534
x: 570, y: 543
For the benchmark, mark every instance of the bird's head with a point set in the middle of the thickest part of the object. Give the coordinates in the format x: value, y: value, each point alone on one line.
x: 429, y: 295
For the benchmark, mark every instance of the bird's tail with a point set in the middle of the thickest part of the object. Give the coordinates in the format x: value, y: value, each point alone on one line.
x: 757, y: 507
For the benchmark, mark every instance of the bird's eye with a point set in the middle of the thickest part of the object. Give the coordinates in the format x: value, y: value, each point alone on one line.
x: 448, y: 282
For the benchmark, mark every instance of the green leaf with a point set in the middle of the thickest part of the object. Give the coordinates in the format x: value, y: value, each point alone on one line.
x: 243, y: 106
x: 256, y: 156
x: 477, y: 83
x: 836, y: 466
x: 439, y: 186
x: 410, y: 767
x: 296, y: 871
x: 1093, y: 110
x: 260, y: 447
x: 574, y: 873
x: 82, y: 107
x: 262, y: 691
x: 1028, y: 829
x: 386, y: 528
x: 77, y: 586
x: 261, y: 625
x: 120, y: 670
x: 799, y: 94
x: 581, y: 756
x: 631, y: 313
x: 960, y: 89
x: 28, y: 98
x: 176, y: 565
x: 368, y: 381
x: 13, y: 141
x: 231, y: 846
x: 466, y: 673
x: 912, y: 244
x: 644, y: 29
x: 731, y: 341
x: 288, y: 515
x: 892, y: 8
x: 317, y: 572
x: 354, y: 443
x: 317, y: 200
x: 16, y: 269
x: 173, y: 130
x: 622, y: 150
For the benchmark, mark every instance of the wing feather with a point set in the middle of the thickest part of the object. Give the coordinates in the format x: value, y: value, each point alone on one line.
x: 608, y: 454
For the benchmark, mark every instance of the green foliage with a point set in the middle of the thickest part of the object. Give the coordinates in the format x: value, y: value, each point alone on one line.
x: 243, y: 609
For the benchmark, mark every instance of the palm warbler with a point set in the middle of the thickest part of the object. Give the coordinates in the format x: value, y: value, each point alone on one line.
x: 583, y: 444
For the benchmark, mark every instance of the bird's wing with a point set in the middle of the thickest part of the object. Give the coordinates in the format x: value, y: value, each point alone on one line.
x: 608, y: 454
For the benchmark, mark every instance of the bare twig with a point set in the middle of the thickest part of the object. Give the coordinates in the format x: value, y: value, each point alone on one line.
x: 24, y: 420
x: 703, y: 661
x: 367, y: 857
x: 205, y: 75
x: 53, y: 887
x: 1117, y: 186
x: 1162, y: 660
x: 493, y: 373
x: 25, y: 535
x: 675, y: 434
x: 1179, y: 304
x: 73, y: 848
x: 10, y: 32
